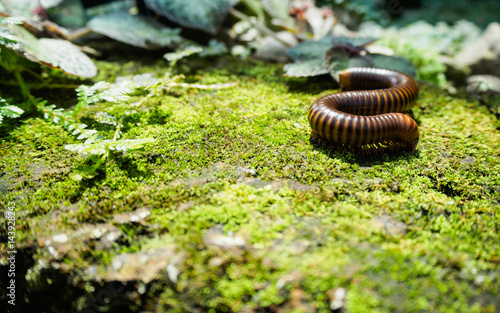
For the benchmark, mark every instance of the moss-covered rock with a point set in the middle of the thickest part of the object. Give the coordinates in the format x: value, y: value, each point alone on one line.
x: 231, y: 207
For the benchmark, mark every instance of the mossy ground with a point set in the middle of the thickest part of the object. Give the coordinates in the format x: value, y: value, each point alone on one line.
x: 407, y: 233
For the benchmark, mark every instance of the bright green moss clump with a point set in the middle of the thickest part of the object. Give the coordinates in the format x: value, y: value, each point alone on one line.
x: 257, y: 216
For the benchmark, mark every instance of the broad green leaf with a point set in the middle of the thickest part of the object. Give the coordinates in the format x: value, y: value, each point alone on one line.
x: 11, y: 20
x: 341, y: 57
x: 111, y: 7
x: 354, y: 41
x: 338, y: 58
x: 205, y: 15
x: 54, y: 53
x: 20, y: 8
x: 70, y: 13
x: 255, y: 7
x: 394, y: 63
x: 278, y: 9
x: 11, y: 111
x: 360, y: 61
x: 65, y: 56
x: 50, y: 3
x: 135, y: 30
x: 309, y: 50
x: 309, y: 68
x: 6, y: 37
x: 317, y: 48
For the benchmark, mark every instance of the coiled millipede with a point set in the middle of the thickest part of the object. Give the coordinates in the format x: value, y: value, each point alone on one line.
x: 359, y: 120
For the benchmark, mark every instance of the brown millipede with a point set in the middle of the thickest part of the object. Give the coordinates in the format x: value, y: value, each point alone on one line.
x: 359, y: 120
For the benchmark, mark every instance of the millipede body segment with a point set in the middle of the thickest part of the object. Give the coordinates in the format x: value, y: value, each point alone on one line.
x: 360, y: 119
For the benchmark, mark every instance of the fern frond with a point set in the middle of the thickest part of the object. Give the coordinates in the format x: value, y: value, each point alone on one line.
x: 102, y: 91
x: 105, y: 118
x: 118, y: 94
x: 103, y: 146
x: 10, y: 111
x: 174, y: 57
x: 68, y: 122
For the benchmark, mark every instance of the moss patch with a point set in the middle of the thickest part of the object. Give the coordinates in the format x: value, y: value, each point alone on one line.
x: 261, y: 218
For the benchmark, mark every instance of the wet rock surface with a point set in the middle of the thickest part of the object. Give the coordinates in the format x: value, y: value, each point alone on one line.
x: 144, y: 266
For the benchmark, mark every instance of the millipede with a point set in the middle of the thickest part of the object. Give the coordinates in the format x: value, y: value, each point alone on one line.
x: 363, y: 119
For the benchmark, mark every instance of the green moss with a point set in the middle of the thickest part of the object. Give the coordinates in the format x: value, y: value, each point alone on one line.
x: 400, y: 232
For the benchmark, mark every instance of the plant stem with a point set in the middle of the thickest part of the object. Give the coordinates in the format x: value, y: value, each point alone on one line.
x: 20, y: 82
x: 118, y: 130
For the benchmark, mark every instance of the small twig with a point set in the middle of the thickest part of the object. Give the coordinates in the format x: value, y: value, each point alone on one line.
x: 118, y: 130
x: 33, y: 73
x: 20, y: 82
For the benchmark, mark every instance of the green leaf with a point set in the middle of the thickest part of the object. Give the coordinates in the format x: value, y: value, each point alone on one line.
x: 278, y: 9
x: 338, y: 58
x: 11, y: 20
x: 11, y: 111
x: 317, y: 48
x: 20, y: 8
x: 128, y: 144
x: 173, y: 57
x: 255, y: 7
x: 341, y: 57
x: 97, y: 148
x: 314, y: 67
x: 205, y: 15
x: 118, y: 93
x: 309, y: 50
x: 54, y: 53
x: 354, y: 41
x: 86, y: 93
x: 105, y: 118
x: 7, y: 37
x: 135, y: 30
x: 47, y: 4
x: 111, y: 7
x: 394, y: 63
x: 76, y: 176
x: 69, y: 13
x: 9, y: 59
x: 87, y: 133
x: 103, y: 91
